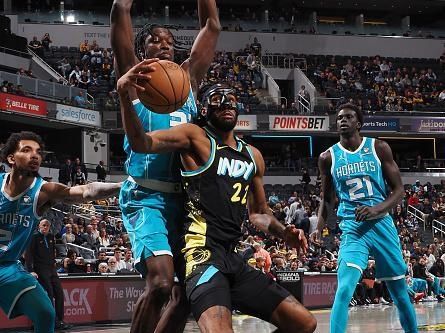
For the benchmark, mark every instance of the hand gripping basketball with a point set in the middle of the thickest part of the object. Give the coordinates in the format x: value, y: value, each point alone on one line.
x: 136, y: 75
x: 168, y: 88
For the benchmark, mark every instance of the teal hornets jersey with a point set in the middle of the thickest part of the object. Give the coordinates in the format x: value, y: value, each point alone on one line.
x: 164, y: 167
x: 357, y: 177
x: 18, y: 219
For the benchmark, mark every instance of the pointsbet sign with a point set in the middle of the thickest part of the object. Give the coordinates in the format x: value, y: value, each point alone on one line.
x: 299, y: 123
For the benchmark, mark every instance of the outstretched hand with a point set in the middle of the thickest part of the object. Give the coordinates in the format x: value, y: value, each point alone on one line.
x: 295, y: 238
x: 139, y: 72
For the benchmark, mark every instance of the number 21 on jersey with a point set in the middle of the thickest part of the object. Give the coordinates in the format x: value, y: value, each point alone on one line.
x: 356, y: 188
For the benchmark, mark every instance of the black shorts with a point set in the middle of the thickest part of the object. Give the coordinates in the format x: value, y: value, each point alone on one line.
x: 236, y: 286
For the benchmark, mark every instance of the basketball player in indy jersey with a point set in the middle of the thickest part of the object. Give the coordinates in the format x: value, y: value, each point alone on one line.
x: 222, y: 175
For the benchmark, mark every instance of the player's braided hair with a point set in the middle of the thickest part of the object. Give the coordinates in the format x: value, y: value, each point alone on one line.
x: 147, y: 30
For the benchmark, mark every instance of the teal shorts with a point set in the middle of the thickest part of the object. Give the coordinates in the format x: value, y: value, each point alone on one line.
x: 14, y: 282
x: 153, y: 221
x: 377, y: 238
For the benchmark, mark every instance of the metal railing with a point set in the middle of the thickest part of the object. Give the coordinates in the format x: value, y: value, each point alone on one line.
x: 278, y: 101
x: 14, y: 52
x: 438, y: 227
x: 48, y: 68
x: 75, y: 209
x: 42, y: 88
x: 79, y: 249
x: 304, y: 105
x: 284, y: 61
x: 417, y: 214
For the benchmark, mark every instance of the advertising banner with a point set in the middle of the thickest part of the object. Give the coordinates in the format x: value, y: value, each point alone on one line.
x: 428, y: 124
x: 245, y: 122
x: 78, y: 115
x: 88, y: 300
x: 319, y: 290
x: 381, y: 124
x: 95, y: 299
x: 291, y: 280
x: 299, y: 123
x: 22, y: 104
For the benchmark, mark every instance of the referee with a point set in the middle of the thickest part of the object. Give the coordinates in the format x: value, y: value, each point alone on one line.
x: 40, y: 261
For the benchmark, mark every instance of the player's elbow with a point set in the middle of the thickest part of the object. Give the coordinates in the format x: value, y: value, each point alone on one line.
x: 119, y: 7
x: 214, y: 25
x: 140, y: 149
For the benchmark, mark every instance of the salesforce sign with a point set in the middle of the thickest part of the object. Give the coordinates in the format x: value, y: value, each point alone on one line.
x: 78, y: 115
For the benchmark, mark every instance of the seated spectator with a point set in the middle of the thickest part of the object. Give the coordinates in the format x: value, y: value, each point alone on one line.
x: 19, y: 90
x: 75, y: 73
x: 120, y: 264
x: 84, y: 47
x: 36, y: 46
x: 111, y: 102
x: 103, y: 240
x: 68, y: 236
x: 68, y: 264
x: 442, y: 97
x: 79, y: 100
x: 103, y: 268
x: 79, y: 177
x: 129, y: 260
x: 112, y: 265
x: 96, y: 57
x: 84, y: 82
x: 273, y: 199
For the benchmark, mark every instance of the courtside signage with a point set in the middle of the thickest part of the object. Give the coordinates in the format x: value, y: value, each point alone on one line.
x: 299, y: 123
x: 381, y: 124
x: 428, y: 124
x: 22, y: 104
x: 248, y: 123
x: 78, y: 115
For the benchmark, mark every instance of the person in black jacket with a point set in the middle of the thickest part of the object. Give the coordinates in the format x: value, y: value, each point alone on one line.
x: 101, y: 172
x: 40, y: 261
x: 65, y: 172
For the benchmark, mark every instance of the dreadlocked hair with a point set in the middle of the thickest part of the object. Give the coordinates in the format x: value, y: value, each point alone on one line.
x: 147, y: 30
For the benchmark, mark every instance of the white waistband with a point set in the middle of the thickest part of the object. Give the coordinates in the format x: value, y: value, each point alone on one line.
x: 157, y: 185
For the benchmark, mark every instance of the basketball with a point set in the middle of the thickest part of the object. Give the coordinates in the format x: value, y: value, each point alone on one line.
x: 168, y: 88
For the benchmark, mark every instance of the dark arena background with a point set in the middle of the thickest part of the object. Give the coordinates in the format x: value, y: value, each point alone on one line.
x: 291, y: 63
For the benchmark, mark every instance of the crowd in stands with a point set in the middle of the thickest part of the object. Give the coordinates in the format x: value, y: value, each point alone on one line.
x: 378, y: 84
x: 91, y: 68
x: 425, y: 260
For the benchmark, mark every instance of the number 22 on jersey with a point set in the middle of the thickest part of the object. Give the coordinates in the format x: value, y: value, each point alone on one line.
x: 236, y: 197
x: 356, y: 189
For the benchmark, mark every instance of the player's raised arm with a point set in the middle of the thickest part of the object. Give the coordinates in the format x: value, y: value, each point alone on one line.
x: 203, y: 49
x: 261, y: 216
x: 177, y: 138
x: 122, y: 36
x: 391, y: 173
x: 327, y: 190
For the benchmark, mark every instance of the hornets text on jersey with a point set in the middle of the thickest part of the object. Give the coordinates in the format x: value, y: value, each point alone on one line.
x: 216, y: 202
x: 18, y: 219
x: 358, y: 177
x: 163, y: 167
